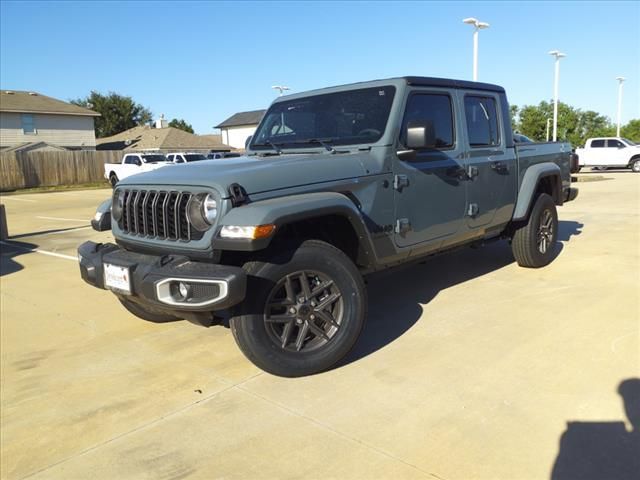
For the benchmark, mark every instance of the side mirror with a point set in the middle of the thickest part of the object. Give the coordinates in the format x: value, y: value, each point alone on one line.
x: 101, y: 221
x: 248, y: 141
x: 420, y: 135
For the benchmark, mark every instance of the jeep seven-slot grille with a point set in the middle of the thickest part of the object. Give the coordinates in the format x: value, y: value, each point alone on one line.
x: 157, y: 214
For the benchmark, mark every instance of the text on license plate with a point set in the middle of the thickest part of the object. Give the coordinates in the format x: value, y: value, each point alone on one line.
x: 117, y: 278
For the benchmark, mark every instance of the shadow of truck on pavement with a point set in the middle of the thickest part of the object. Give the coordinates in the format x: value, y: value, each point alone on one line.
x: 396, y: 296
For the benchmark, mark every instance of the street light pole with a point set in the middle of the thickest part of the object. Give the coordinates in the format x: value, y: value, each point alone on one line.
x: 620, y: 82
x: 478, y: 25
x: 556, y: 83
x: 280, y: 88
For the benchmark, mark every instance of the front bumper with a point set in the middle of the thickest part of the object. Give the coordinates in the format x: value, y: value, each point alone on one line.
x: 219, y: 286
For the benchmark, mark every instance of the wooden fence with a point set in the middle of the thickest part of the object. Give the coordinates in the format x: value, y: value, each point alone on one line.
x: 45, y: 169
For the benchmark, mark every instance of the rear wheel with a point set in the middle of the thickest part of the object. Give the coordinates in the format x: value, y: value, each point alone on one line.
x: 635, y: 166
x: 305, y: 313
x: 533, y: 243
x: 113, y: 180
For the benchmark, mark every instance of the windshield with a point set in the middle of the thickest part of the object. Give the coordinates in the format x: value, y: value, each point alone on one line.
x: 154, y: 158
x: 194, y: 157
x: 343, y: 118
x: 629, y: 142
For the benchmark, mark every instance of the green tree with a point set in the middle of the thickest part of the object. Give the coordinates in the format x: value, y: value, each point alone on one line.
x: 574, y: 125
x: 181, y: 124
x: 631, y: 130
x: 117, y: 112
x: 513, y: 113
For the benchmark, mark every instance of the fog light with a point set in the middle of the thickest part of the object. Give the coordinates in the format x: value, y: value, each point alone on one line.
x: 180, y: 291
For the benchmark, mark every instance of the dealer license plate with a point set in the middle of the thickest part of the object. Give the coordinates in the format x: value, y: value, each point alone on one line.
x: 117, y: 278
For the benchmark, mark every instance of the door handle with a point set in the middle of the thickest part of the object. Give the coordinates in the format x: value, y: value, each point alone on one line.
x: 499, y: 167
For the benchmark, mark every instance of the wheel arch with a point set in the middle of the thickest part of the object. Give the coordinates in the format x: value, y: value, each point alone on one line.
x: 328, y: 216
x: 539, y: 178
x: 633, y: 159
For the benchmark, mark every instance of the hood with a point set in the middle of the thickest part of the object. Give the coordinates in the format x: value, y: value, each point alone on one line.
x: 257, y: 174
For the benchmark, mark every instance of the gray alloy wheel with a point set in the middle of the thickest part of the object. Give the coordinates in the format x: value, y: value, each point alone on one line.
x: 304, y: 311
x: 534, y: 242
x: 635, y: 166
x: 545, y: 231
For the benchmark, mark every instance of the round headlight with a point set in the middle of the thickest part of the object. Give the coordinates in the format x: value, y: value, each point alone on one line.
x: 202, y: 211
x: 117, y: 205
x: 210, y: 209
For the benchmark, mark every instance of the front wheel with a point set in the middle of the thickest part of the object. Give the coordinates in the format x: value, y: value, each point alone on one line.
x: 533, y: 243
x: 305, y: 311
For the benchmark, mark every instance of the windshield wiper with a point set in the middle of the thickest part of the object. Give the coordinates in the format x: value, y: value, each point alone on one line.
x: 269, y: 143
x: 324, y: 142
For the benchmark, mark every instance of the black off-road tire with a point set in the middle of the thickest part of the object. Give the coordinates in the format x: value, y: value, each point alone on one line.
x: 113, y: 180
x: 540, y: 230
x: 260, y: 333
x: 146, y: 314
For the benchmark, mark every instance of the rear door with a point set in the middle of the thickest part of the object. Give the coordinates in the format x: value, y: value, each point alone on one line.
x: 491, y: 188
x: 429, y: 183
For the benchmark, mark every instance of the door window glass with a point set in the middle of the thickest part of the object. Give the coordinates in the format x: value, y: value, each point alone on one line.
x: 482, y: 121
x: 431, y: 109
x: 597, y: 144
x: 615, y: 144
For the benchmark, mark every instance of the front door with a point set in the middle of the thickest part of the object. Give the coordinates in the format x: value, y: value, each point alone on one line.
x: 429, y: 183
x: 491, y: 189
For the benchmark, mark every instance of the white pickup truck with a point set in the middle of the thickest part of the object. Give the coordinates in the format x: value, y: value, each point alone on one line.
x: 132, y: 164
x: 609, y: 152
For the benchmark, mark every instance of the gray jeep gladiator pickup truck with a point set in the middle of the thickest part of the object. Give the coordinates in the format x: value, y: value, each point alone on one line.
x: 336, y: 183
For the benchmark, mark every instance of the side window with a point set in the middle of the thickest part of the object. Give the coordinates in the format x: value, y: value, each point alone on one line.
x: 615, y: 144
x: 482, y: 121
x: 597, y: 144
x: 128, y: 160
x: 431, y: 109
x: 28, y: 124
x: 170, y: 158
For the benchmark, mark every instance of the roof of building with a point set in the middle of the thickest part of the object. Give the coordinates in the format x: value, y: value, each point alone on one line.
x: 145, y: 137
x: 242, y: 118
x: 33, y: 102
x: 32, y: 147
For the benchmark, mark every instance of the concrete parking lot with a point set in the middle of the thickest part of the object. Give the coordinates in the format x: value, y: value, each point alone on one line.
x: 469, y: 367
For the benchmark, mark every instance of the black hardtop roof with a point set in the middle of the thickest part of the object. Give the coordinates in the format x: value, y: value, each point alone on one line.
x: 447, y: 82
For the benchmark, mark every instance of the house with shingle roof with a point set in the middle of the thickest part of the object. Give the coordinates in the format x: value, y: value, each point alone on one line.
x: 238, y: 127
x: 30, y: 118
x: 164, y: 139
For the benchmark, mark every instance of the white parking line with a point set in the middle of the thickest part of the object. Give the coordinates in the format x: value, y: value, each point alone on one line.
x: 37, y: 250
x: 17, y: 199
x: 65, y: 219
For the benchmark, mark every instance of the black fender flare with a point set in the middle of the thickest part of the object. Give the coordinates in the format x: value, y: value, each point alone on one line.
x: 285, y: 210
x: 530, y: 181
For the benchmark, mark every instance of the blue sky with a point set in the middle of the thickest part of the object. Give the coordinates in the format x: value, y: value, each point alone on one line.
x: 203, y: 61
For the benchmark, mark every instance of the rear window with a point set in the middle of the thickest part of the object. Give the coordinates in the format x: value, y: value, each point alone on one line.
x: 482, y: 121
